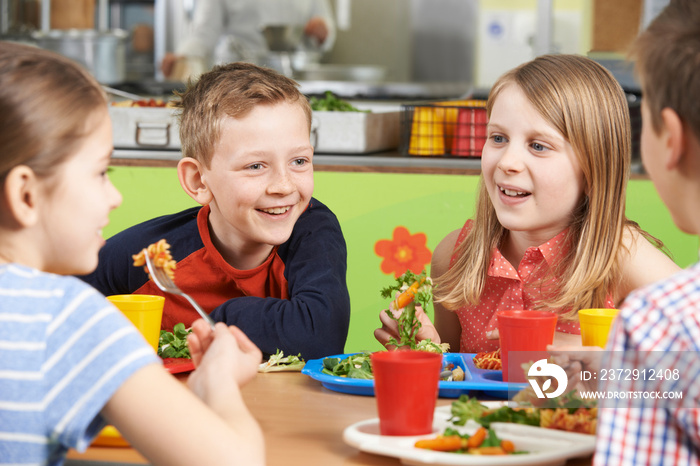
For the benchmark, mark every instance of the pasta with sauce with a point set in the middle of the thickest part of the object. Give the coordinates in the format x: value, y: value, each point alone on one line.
x: 490, y: 360
x: 583, y: 420
x: 160, y: 255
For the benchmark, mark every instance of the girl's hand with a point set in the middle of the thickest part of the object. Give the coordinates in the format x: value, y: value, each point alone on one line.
x: 199, y: 340
x: 223, y: 350
x: 389, y: 328
x: 560, y: 338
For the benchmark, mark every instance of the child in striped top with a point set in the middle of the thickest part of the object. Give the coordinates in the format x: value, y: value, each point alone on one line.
x: 69, y: 360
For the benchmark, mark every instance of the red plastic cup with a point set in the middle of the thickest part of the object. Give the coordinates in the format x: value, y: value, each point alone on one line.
x: 470, y: 134
x: 524, y: 336
x: 406, y: 389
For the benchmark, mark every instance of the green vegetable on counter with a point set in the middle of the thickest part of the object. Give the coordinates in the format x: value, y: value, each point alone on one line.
x: 174, y: 344
x: 331, y: 103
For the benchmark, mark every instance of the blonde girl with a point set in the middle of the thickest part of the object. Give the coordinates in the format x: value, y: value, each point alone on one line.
x: 69, y: 360
x: 550, y: 230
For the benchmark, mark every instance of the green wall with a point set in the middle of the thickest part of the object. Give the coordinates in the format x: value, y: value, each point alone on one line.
x: 369, y: 207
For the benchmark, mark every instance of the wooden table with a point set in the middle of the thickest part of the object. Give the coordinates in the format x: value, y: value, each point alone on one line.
x: 303, y: 424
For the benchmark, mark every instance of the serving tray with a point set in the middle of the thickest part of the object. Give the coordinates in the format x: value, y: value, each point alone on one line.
x: 145, y: 128
x: 354, y: 132
x: 487, y: 381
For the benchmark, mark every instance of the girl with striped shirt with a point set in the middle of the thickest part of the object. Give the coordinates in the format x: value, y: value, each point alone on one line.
x: 69, y: 361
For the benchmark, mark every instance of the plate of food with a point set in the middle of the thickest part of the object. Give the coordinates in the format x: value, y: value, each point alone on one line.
x: 352, y: 373
x: 109, y: 436
x: 462, y: 372
x: 178, y: 365
x: 507, y: 437
x: 173, y: 349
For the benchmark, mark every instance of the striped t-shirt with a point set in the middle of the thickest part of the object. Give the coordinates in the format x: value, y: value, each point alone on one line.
x: 64, y: 350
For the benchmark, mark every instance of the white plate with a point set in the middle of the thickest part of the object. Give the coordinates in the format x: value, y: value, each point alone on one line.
x: 546, y: 446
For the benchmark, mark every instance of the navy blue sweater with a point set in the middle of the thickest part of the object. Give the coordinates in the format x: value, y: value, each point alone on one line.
x: 310, y: 317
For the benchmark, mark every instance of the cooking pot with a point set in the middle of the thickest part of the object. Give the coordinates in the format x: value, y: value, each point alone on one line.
x: 283, y: 37
x: 103, y: 53
x: 333, y: 72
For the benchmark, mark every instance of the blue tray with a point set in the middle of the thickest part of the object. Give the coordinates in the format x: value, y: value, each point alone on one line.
x: 487, y: 381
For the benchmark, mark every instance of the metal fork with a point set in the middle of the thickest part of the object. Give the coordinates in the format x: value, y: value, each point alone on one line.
x: 165, y: 283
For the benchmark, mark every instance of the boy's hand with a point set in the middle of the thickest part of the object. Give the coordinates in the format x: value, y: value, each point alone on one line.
x: 390, y: 329
x: 574, y: 360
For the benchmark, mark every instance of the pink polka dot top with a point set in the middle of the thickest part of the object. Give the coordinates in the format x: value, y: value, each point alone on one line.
x: 508, y: 288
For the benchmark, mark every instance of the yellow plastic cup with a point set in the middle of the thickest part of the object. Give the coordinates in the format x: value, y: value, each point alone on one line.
x: 449, y: 117
x: 144, y: 311
x: 595, y: 325
x: 427, y: 132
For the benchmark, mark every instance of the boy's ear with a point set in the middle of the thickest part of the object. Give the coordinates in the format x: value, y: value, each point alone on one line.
x: 190, y: 174
x: 676, y: 137
x: 21, y: 191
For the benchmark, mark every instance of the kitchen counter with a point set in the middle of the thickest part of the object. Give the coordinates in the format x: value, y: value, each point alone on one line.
x: 342, y: 145
x: 381, y: 162
x: 387, y: 91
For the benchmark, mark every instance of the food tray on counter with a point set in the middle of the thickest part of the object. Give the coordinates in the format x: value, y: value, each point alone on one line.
x: 331, y: 133
x: 490, y: 382
x: 354, y: 132
x: 145, y: 128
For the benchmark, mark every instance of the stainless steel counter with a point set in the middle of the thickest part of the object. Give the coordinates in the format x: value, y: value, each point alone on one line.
x: 384, y: 90
x: 390, y: 161
x: 393, y: 91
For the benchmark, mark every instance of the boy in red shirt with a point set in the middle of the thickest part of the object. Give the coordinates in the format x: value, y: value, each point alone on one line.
x: 260, y: 253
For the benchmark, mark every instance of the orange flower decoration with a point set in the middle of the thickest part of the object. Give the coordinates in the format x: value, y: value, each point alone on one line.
x: 403, y: 252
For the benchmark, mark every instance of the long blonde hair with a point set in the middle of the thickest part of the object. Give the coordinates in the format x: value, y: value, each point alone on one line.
x: 585, y: 103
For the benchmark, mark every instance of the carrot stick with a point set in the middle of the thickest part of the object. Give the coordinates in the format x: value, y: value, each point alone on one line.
x: 508, y: 446
x: 487, y: 451
x: 448, y: 443
x: 407, y: 296
x: 478, y: 438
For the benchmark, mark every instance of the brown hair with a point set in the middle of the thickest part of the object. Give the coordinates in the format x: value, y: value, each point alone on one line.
x: 585, y: 103
x: 46, y: 105
x: 230, y: 90
x: 667, y: 57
